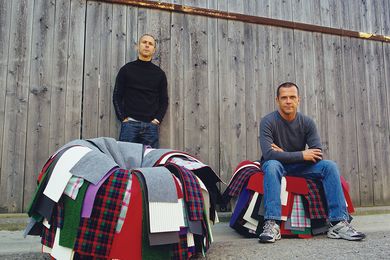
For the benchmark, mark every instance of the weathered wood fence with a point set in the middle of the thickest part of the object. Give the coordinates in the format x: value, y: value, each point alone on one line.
x: 59, y: 59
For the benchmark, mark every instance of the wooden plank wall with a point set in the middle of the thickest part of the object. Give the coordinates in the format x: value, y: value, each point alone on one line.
x: 59, y: 60
x: 41, y: 57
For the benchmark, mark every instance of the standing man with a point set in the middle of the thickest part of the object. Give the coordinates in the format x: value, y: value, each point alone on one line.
x: 284, y: 135
x: 140, y: 96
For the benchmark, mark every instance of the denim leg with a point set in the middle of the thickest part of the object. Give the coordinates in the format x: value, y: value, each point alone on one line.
x: 130, y: 132
x: 273, y: 172
x: 150, y: 135
x: 328, y: 172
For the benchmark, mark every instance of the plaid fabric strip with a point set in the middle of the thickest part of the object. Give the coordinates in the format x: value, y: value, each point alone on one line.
x: 73, y: 186
x: 95, y: 234
x: 180, y: 250
x: 125, y: 206
x: 240, y: 179
x: 193, y: 195
x: 316, y: 207
x: 186, y: 162
x: 298, y: 218
x: 48, y: 235
x: 192, y: 191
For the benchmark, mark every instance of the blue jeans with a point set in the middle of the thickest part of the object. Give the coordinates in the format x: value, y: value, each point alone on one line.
x: 140, y: 132
x: 325, y: 170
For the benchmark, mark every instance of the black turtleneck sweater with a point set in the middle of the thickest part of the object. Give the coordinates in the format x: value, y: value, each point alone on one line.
x: 140, y: 92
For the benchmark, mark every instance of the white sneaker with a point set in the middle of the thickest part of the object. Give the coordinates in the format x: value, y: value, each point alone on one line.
x: 344, y: 230
x: 271, y: 232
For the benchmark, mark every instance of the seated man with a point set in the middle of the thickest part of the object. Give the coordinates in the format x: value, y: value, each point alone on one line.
x: 284, y: 135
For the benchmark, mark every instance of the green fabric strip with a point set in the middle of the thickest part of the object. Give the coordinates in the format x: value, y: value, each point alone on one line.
x: 306, y: 232
x: 72, y: 217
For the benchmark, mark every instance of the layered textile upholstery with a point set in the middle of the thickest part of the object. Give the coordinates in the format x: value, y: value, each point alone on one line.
x: 304, y: 209
x: 119, y: 208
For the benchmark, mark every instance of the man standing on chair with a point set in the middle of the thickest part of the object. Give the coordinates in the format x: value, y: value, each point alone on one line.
x: 291, y: 145
x: 140, y: 96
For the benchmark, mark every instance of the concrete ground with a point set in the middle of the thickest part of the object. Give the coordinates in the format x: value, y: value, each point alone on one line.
x: 375, y: 222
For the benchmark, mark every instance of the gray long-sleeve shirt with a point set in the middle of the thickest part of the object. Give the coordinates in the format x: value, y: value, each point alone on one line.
x: 292, y: 137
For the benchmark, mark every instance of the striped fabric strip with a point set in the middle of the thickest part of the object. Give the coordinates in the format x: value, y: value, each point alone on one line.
x: 73, y: 187
x: 125, y: 206
x: 298, y: 218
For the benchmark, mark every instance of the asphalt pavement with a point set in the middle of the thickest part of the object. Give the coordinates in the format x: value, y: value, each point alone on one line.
x: 230, y: 245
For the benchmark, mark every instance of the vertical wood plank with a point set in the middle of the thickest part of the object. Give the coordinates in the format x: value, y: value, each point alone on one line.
x: 16, y: 102
x: 334, y: 113
x: 377, y: 102
x: 213, y: 113
x: 263, y: 93
x: 319, y: 90
x: 385, y: 177
x: 91, y: 71
x: 333, y: 78
x: 304, y: 58
x: 38, y: 113
x: 195, y: 89
x: 196, y: 120
x: 264, y: 79
x: 104, y: 81
x: 175, y: 113
x: 304, y: 11
x: 365, y: 159
x: 59, y: 71
x: 5, y: 26
x: 282, y: 45
x: 386, y: 70
x: 223, y: 83
x: 132, y: 33
x: 163, y: 59
x: 234, y: 94
x: 380, y: 122
x: 118, y: 54
x: 75, y: 66
x: 251, y: 89
x: 281, y: 9
x: 348, y: 165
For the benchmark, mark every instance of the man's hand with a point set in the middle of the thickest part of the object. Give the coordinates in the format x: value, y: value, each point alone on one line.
x: 313, y: 155
x: 155, y: 122
x: 276, y: 148
x: 125, y: 120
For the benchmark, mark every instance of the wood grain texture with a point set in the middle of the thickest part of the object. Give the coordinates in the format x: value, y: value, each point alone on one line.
x: 5, y: 21
x: 75, y: 70
x: 196, y: 102
x: 213, y: 90
x: 16, y: 106
x: 92, y: 75
x: 118, y: 59
x: 105, y: 71
x: 59, y: 60
x: 40, y: 90
x: 59, y: 72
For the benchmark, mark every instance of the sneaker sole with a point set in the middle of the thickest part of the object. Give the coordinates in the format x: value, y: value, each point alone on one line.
x: 340, y: 236
x: 269, y: 240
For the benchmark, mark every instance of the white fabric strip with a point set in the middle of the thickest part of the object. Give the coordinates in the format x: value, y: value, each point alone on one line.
x: 190, y: 240
x: 46, y: 223
x: 165, y: 216
x: 60, y: 252
x: 61, y: 172
x: 248, y: 213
